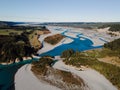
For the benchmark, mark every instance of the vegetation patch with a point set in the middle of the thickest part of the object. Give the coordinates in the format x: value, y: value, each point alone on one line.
x: 40, y: 66
x: 17, y: 42
x: 67, y: 53
x: 54, y: 39
x: 114, y: 45
x: 113, y: 26
x: 10, y: 32
x: 62, y: 79
x: 92, y: 59
x: 111, y: 72
x: 33, y: 37
x: 13, y: 47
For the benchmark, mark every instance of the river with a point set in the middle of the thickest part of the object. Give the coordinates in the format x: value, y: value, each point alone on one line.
x: 7, y: 73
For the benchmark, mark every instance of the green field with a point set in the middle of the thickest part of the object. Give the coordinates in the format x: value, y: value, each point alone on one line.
x: 8, y: 31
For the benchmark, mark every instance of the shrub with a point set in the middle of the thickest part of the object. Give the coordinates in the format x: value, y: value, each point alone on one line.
x: 67, y: 53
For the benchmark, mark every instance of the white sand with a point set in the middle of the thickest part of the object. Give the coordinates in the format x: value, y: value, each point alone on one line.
x: 82, y: 38
x: 103, y: 29
x: 93, y: 35
x: 67, y: 40
x: 74, y: 35
x: 26, y: 80
x: 106, y: 30
x: 92, y: 78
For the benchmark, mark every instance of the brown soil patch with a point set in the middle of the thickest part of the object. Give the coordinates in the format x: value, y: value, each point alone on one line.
x: 111, y: 60
x: 54, y: 39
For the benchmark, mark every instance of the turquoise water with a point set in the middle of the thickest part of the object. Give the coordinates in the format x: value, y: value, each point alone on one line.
x: 7, y: 74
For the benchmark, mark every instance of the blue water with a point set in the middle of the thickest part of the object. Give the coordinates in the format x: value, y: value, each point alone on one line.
x: 77, y: 45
